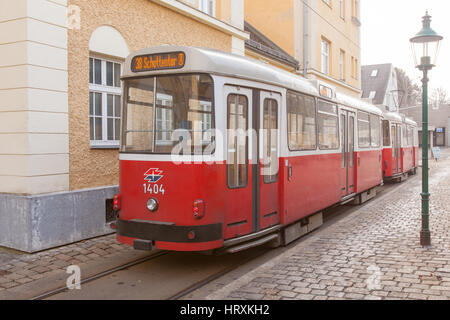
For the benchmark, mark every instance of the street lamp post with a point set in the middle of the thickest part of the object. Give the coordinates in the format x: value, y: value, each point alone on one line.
x: 426, y: 45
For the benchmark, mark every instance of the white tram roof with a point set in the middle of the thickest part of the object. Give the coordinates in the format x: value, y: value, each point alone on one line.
x: 410, y: 122
x: 202, y: 60
x: 392, y: 116
x: 358, y: 103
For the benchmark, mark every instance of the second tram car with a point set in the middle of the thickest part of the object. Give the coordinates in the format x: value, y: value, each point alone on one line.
x: 400, y: 146
x: 222, y: 152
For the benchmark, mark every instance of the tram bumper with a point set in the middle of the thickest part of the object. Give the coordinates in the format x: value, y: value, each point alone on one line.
x: 168, y: 232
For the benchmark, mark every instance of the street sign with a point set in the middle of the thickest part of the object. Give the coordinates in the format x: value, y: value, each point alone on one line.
x: 436, y: 152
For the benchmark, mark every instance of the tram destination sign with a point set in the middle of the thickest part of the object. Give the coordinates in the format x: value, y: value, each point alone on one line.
x: 158, y: 61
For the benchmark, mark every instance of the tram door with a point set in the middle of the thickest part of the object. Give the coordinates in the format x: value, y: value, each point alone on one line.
x: 396, y: 148
x: 253, y: 120
x: 268, y: 114
x: 348, y: 152
x: 238, y: 211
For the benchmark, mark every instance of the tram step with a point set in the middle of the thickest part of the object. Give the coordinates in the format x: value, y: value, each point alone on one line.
x: 254, y: 243
x: 365, y: 196
x: 302, y: 227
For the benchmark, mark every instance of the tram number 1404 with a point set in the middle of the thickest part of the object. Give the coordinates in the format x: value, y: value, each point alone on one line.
x: 153, y: 188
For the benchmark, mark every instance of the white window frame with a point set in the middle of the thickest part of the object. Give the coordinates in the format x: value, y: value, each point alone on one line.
x: 342, y: 8
x: 208, y: 7
x: 325, y: 54
x: 105, y: 91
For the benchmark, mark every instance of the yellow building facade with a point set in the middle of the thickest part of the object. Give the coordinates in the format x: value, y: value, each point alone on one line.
x: 323, y: 35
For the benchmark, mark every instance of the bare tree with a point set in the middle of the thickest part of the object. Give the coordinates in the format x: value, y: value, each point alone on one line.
x: 410, y: 93
x: 439, y: 97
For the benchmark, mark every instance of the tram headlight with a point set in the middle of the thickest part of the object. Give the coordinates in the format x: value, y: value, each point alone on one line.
x: 152, y: 204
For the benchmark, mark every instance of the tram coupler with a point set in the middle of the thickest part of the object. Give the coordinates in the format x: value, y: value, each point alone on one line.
x: 145, y: 245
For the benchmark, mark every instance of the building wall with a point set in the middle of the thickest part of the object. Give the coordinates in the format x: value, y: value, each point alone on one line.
x: 274, y: 19
x: 437, y: 118
x: 284, y: 23
x: 448, y: 132
x: 95, y: 167
x: 34, y: 143
x: 342, y: 34
x: 228, y: 11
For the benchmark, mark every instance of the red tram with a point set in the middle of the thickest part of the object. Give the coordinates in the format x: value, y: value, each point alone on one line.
x: 400, y: 147
x: 221, y: 152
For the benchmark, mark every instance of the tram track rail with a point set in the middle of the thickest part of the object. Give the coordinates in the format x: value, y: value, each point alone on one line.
x: 178, y: 295
x: 211, y: 278
x: 54, y: 292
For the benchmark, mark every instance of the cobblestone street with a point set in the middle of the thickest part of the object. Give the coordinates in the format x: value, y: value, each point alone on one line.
x: 373, y: 253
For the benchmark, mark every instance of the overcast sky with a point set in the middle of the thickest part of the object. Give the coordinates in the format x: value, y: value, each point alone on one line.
x: 387, y: 26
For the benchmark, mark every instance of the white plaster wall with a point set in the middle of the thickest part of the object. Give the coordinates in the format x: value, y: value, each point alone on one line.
x: 34, y: 144
x: 237, y: 20
x: 237, y: 46
x: 237, y: 14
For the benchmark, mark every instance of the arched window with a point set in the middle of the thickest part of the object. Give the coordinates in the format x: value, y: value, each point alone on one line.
x: 107, y: 51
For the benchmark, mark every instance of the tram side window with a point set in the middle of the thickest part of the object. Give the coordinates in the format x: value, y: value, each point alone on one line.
x: 270, y: 145
x: 344, y: 151
x: 327, y: 120
x: 404, y: 136
x: 415, y: 137
x: 351, y: 139
x: 410, y: 136
x: 363, y: 130
x: 386, y: 134
x: 237, y: 154
x: 301, y: 122
x: 138, y: 122
x: 183, y: 103
x: 375, y: 130
x: 394, y: 140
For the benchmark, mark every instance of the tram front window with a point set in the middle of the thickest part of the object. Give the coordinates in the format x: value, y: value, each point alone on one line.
x: 182, y: 121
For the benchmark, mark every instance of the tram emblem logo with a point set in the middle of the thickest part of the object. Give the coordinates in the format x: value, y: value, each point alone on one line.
x: 153, y: 175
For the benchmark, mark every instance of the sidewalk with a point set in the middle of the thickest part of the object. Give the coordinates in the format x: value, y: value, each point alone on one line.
x: 374, y: 253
